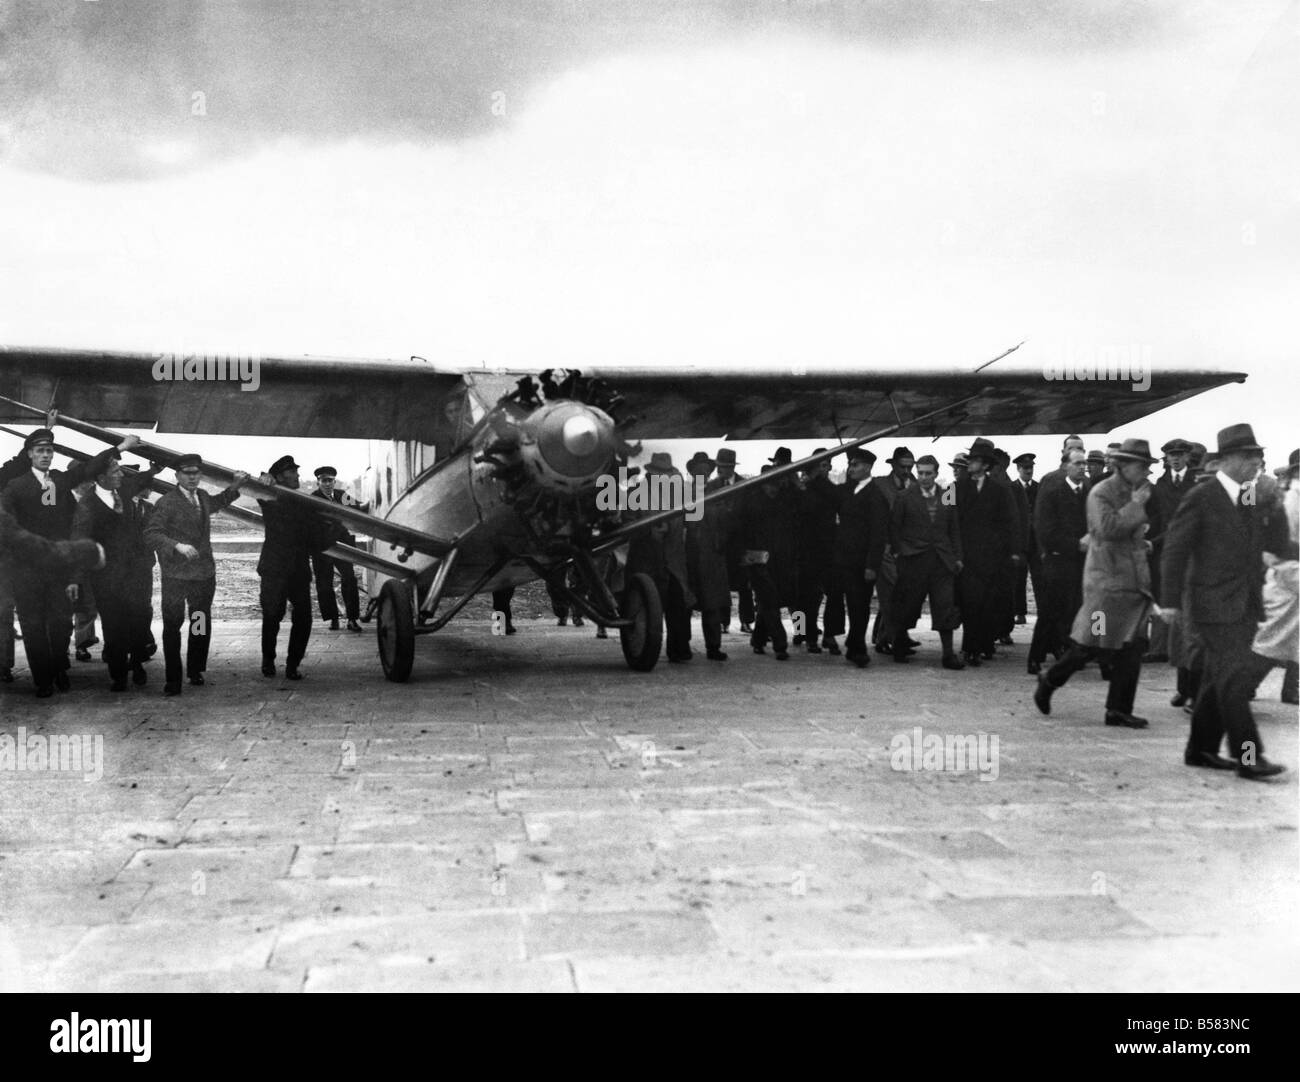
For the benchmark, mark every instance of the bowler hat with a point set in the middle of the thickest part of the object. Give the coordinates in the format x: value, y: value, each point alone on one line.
x: 1027, y: 459
x: 984, y: 449
x: 186, y: 462
x: 1237, y: 438
x: 660, y: 462
x: 783, y: 457
x: 1176, y: 447
x: 326, y: 471
x: 1134, y: 449
x: 900, y: 452
x: 282, y: 464
x: 41, y: 435
x: 726, y: 457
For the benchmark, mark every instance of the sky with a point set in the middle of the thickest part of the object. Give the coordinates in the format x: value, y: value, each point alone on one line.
x: 906, y: 184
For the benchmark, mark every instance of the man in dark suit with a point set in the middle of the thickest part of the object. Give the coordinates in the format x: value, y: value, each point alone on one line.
x: 738, y: 576
x: 706, y: 559
x: 891, y: 486
x: 986, y: 515
x: 926, y: 541
x: 860, y: 540
x: 1019, y: 552
x: 323, y: 567
x: 109, y: 516
x: 767, y: 532
x: 1061, y: 531
x: 285, y: 569
x: 1032, y: 567
x: 1213, y: 556
x: 180, y: 532
x: 41, y: 501
x: 1070, y: 443
x: 818, y: 502
x: 1170, y: 489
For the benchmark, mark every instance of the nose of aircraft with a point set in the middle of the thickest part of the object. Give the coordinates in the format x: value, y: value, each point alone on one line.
x: 581, y: 435
x: 568, y: 444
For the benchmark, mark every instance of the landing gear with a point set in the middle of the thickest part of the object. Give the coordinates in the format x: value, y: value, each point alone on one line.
x: 643, y: 637
x: 396, y: 636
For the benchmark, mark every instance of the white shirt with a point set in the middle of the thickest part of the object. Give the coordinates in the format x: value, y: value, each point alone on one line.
x: 106, y: 497
x: 42, y: 479
x: 1177, y: 476
x: 1074, y: 485
x: 1231, y: 487
x: 861, y: 485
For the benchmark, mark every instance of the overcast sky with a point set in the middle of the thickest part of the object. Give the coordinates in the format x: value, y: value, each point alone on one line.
x: 572, y: 182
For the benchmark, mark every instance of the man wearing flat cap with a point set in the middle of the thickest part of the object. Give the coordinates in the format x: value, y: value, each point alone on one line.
x: 860, y: 540
x: 1112, y: 619
x: 42, y: 502
x: 1170, y: 488
x: 1214, y: 559
x: 727, y: 524
x: 706, y: 560
x: 285, y: 569
x: 818, y: 502
x: 323, y: 567
x: 180, y: 532
x: 986, y: 516
x: 1032, y: 565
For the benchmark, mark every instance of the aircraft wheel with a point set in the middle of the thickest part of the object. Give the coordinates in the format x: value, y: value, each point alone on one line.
x: 641, y: 641
x: 396, y: 631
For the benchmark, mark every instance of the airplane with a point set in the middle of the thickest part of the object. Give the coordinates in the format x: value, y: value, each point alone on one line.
x: 491, y: 475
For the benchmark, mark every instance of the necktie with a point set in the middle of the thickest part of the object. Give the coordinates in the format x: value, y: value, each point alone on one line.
x: 117, y: 502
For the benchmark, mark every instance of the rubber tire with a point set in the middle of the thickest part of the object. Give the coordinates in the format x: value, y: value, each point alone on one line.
x: 643, y: 641
x: 396, y: 637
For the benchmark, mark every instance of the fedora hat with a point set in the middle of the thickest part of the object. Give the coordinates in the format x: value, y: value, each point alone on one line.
x: 900, y: 452
x: 1135, y: 450
x: 984, y: 449
x: 726, y: 457
x: 660, y: 462
x: 1237, y: 438
x: 960, y: 460
x: 783, y: 457
x: 1096, y: 456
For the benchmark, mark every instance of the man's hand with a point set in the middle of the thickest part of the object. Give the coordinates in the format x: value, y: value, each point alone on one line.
x: 129, y: 442
x: 1141, y: 494
x: 239, y: 479
x: 1083, y: 543
x: 267, y: 479
x: 1169, y: 616
x: 51, y: 418
x: 73, y: 591
x: 188, y: 551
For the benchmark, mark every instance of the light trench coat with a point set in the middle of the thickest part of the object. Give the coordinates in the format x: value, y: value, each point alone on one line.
x: 1116, y: 575
x: 1279, y: 634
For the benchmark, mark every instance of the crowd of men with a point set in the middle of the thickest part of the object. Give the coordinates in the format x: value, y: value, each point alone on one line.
x: 106, y: 540
x: 1197, y: 569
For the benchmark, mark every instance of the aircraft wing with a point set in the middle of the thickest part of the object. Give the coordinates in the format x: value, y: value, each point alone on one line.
x: 240, y: 395
x: 685, y: 402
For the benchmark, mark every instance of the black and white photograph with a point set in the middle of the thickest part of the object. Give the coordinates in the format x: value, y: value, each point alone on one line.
x: 650, y: 496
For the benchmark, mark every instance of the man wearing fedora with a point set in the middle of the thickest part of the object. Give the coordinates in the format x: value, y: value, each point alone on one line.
x: 986, y: 516
x: 736, y: 573
x: 41, y: 501
x: 180, y: 532
x: 860, y: 540
x: 1111, y: 622
x: 285, y: 569
x: 323, y: 567
x: 818, y: 500
x: 706, y: 559
x: 767, y: 532
x: 894, y: 484
x: 1214, y: 558
x: 660, y: 552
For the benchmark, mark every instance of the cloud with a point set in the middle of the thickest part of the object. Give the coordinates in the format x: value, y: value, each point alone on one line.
x: 116, y: 90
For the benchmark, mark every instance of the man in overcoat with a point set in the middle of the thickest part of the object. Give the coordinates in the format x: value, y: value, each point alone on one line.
x: 986, y: 515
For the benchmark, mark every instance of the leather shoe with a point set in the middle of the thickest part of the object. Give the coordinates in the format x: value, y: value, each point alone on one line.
x: 781, y: 655
x: 1043, y: 694
x: 913, y: 643
x: 83, y: 654
x: 172, y: 688
x: 44, y: 691
x: 1034, y: 668
x: 291, y: 672
x: 813, y: 648
x: 334, y: 624
x: 268, y: 668
x: 1178, y: 700
x: 197, y: 679
x: 354, y: 626
x: 1006, y: 640
x: 973, y: 660
x: 138, y: 675
x: 952, y: 661
x: 1128, y: 721
x: 798, y: 640
x: 830, y: 645
x: 716, y: 655
x: 746, y: 629
x: 860, y: 660
x: 1209, y: 759
x: 1261, y: 769
x: 757, y: 649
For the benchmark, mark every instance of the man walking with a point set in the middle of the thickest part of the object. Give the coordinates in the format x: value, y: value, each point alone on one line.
x: 180, y: 532
x: 986, y: 515
x: 860, y: 541
x: 1031, y: 569
x: 324, y: 567
x: 1111, y: 622
x: 1214, y: 556
x: 1061, y: 531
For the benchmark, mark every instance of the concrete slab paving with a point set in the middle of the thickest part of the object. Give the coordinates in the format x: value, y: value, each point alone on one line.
x: 528, y: 815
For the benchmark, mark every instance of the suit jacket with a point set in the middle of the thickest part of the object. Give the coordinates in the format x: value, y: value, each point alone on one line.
x: 128, y: 562
x: 1060, y: 518
x: 35, y: 511
x: 175, y: 521
x: 347, y: 501
x: 23, y: 552
x: 1165, y: 501
x: 818, y: 505
x: 1030, y: 492
x: 1021, y: 502
x: 1213, y: 550
x: 863, y: 529
x: 912, y: 533
x: 989, y: 526
x: 292, y: 535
